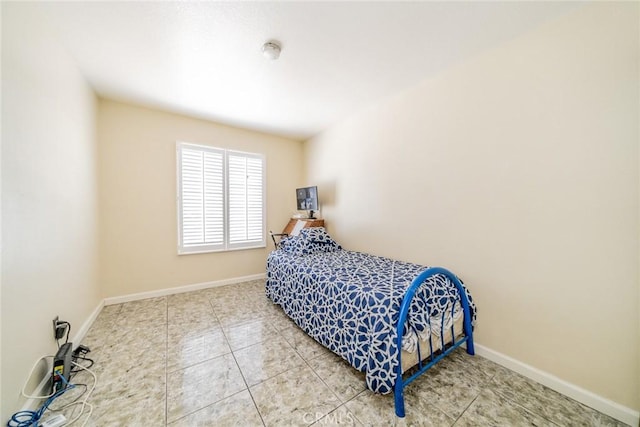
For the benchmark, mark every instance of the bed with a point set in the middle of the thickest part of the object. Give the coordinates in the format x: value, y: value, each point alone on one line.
x: 391, y: 320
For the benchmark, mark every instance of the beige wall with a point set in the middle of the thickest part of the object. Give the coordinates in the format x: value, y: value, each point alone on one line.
x: 518, y: 169
x: 137, y: 151
x: 49, y: 202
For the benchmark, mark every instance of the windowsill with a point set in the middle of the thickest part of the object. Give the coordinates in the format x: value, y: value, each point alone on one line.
x: 208, y: 251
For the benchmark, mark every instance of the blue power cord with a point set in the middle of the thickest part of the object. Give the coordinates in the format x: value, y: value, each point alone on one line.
x: 31, y: 418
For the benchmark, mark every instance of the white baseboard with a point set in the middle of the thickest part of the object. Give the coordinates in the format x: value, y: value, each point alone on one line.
x: 599, y: 403
x: 82, y: 331
x: 181, y: 289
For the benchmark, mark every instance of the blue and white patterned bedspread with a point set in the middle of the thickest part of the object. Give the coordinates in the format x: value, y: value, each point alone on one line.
x: 350, y: 302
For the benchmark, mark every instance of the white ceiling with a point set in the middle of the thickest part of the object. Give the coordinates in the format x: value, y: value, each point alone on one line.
x: 204, y: 58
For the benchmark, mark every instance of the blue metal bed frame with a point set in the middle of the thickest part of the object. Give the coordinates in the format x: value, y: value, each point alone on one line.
x: 401, y: 383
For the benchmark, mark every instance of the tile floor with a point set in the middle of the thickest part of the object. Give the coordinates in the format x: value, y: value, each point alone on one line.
x: 227, y: 356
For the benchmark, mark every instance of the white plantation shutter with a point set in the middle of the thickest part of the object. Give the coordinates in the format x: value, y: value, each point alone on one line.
x: 245, y: 198
x: 255, y: 198
x: 214, y: 182
x: 213, y: 198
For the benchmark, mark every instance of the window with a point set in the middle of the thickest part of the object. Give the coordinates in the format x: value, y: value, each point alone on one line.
x: 220, y: 199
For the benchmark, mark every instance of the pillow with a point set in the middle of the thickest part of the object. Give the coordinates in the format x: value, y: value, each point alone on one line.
x: 309, y: 241
x: 317, y: 240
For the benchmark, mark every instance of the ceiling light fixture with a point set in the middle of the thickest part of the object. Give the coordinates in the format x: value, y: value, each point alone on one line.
x: 271, y: 50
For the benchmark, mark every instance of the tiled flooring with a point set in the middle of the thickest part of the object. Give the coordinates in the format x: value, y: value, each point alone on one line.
x: 227, y: 356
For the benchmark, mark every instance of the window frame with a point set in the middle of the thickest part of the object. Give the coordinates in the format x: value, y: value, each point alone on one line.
x: 226, y: 245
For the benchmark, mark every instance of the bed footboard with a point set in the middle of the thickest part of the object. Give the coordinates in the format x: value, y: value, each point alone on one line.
x: 447, y: 348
